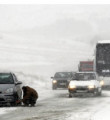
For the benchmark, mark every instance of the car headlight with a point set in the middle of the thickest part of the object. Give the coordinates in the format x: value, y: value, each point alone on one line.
x: 91, y: 86
x: 10, y: 90
x: 101, y: 82
x: 54, y: 81
x: 72, y: 85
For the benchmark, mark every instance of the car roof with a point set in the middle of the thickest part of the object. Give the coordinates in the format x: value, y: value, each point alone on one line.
x: 6, y: 72
x: 65, y: 72
x: 103, y: 42
x: 86, y: 72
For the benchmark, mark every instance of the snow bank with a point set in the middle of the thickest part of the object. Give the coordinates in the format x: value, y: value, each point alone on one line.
x: 104, y: 114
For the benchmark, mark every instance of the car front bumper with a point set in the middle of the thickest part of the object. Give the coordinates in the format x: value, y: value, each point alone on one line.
x: 61, y: 84
x: 6, y: 99
x: 81, y: 90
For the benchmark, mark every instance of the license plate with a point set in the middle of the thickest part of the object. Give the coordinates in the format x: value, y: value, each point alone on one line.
x: 62, y: 84
x: 81, y: 91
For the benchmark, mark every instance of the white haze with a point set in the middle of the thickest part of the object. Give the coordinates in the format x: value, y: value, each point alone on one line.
x: 38, y: 40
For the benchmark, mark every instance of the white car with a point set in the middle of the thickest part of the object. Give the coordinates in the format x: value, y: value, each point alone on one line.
x: 85, y: 82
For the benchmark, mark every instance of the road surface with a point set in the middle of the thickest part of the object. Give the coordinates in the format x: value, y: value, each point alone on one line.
x: 59, y: 107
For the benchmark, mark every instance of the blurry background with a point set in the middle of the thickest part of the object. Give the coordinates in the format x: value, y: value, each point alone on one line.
x: 42, y: 39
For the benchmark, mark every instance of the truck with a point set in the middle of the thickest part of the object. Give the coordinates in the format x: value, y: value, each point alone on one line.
x: 85, y: 66
x: 102, y: 62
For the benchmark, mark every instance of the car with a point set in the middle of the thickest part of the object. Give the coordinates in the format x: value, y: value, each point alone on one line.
x: 61, y: 79
x: 10, y: 89
x: 85, y: 82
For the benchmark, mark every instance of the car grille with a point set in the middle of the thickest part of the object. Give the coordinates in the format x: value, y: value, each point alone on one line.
x: 62, y: 81
x: 81, y: 88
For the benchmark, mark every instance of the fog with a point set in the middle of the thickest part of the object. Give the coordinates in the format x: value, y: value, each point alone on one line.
x: 38, y: 40
x: 50, y: 38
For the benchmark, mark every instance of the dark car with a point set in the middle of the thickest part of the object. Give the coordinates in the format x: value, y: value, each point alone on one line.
x: 61, y: 79
x: 10, y: 89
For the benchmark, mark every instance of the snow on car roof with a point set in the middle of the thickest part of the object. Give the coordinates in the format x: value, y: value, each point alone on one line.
x: 2, y: 71
x: 103, y: 41
x: 66, y: 72
x: 85, y: 72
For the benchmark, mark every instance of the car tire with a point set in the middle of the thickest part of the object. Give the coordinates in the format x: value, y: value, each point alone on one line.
x: 54, y: 87
x: 70, y: 95
x: 100, y: 92
x: 96, y: 92
x: 16, y: 97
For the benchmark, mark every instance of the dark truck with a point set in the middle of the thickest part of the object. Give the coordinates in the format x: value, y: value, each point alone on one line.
x: 61, y: 79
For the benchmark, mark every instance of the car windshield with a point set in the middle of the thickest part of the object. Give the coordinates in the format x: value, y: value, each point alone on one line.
x: 6, y: 78
x: 63, y: 75
x: 84, y: 76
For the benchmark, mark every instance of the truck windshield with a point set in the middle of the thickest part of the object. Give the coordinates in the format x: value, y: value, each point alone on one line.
x: 6, y: 78
x: 85, y: 76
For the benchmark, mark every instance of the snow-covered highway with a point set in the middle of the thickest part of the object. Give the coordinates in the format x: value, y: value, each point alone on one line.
x: 59, y: 107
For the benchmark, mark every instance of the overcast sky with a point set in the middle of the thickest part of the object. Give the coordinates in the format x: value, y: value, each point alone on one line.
x: 19, y: 17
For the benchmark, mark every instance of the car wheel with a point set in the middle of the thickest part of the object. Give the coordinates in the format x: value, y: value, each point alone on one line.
x: 70, y: 95
x: 100, y: 92
x: 97, y: 92
x: 16, y: 97
x: 54, y: 87
x: 13, y: 104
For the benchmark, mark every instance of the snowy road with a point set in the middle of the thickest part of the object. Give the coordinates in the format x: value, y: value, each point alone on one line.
x: 59, y: 107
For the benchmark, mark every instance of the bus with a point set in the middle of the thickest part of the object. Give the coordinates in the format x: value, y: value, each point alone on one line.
x: 102, y: 61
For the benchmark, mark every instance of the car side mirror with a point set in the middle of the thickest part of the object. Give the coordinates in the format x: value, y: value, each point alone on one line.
x: 18, y: 83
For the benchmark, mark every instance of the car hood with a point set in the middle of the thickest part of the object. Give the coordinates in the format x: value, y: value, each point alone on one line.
x: 4, y: 87
x: 83, y: 83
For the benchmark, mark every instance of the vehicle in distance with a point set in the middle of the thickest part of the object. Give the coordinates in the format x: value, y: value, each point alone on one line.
x: 61, y: 79
x: 10, y: 89
x: 85, y: 82
x: 86, y: 66
x: 102, y: 62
